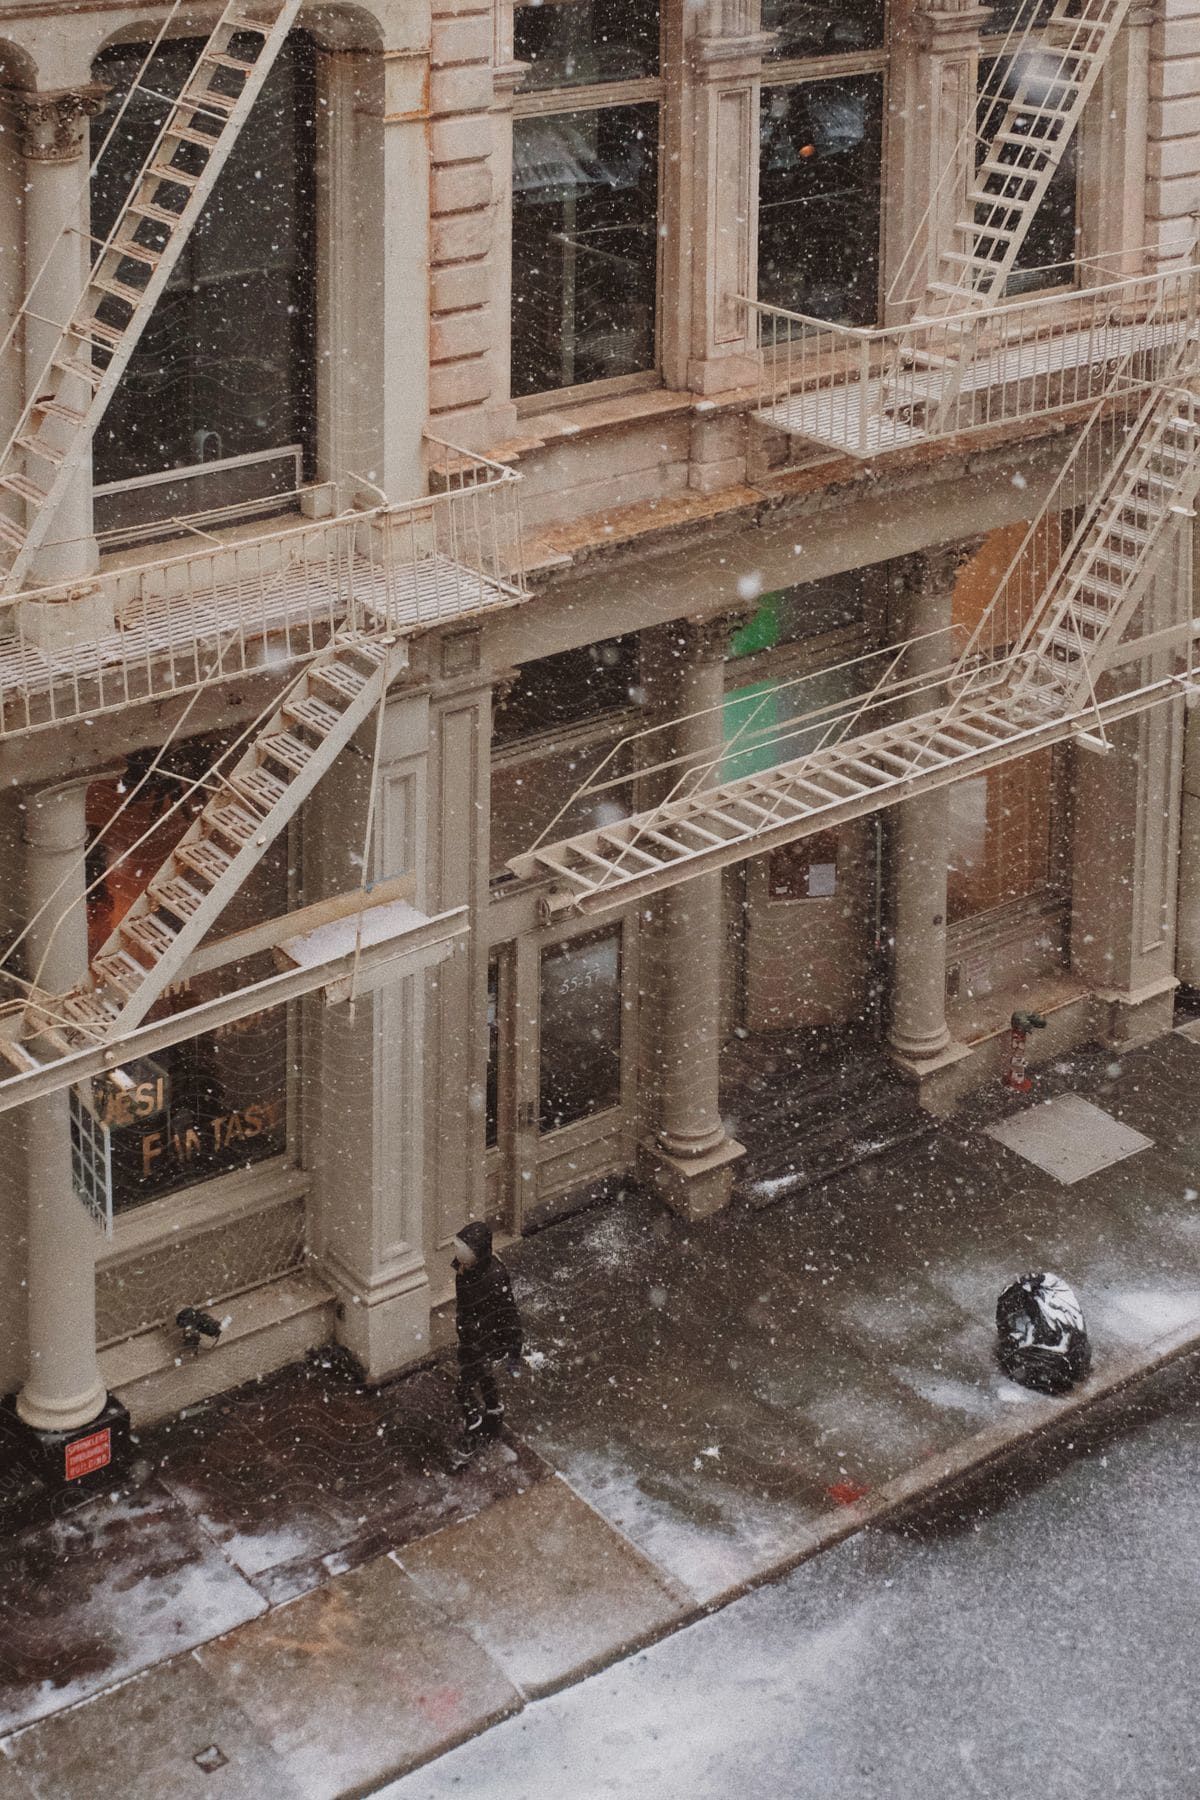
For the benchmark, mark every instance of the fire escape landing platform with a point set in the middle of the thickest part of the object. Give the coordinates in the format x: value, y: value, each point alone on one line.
x: 863, y: 392
x: 233, y: 606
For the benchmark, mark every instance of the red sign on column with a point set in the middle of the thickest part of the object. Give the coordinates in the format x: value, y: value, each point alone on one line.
x: 87, y: 1454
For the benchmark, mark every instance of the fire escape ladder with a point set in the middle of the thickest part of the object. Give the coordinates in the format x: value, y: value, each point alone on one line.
x: 1056, y: 67
x: 1070, y: 641
x: 254, y: 801
x: 857, y: 775
x: 129, y: 274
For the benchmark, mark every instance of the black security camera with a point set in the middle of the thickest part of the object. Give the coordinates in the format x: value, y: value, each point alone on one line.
x: 195, y: 1325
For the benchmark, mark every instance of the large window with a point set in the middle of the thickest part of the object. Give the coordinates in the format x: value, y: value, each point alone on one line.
x: 585, y: 250
x: 213, y: 1103
x: 221, y: 381
x: 1047, y: 255
x: 820, y: 152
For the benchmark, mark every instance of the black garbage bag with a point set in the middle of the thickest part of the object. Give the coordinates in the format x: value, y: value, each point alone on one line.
x: 1043, y: 1339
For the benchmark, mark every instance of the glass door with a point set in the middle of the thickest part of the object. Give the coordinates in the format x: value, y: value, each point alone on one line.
x: 561, y: 1092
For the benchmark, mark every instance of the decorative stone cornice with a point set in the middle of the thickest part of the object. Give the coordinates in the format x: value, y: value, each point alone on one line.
x: 51, y: 126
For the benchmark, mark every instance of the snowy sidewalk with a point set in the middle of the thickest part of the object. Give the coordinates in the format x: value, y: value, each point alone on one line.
x: 299, y: 1600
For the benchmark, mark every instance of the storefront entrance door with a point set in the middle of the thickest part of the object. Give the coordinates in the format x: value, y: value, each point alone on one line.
x: 561, y: 1091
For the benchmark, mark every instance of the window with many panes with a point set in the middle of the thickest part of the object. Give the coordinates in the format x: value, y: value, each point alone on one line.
x: 585, y: 240
x: 821, y: 159
x: 216, y: 406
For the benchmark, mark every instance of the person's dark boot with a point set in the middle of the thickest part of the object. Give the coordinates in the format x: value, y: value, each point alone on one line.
x: 493, y: 1422
x: 471, y: 1437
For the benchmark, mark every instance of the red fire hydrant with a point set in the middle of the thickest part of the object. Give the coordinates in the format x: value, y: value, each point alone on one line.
x: 1020, y: 1026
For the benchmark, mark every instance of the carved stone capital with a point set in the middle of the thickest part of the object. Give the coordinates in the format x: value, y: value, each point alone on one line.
x: 51, y: 127
x: 947, y: 30
x: 939, y: 565
x: 706, y: 640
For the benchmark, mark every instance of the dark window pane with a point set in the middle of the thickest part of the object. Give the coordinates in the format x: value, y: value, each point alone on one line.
x: 1005, y: 15
x: 829, y: 30
x: 1047, y: 256
x: 818, y: 209
x: 213, y: 1103
x: 573, y: 43
x: 585, y: 246
x: 568, y: 689
x: 580, y: 1029
x: 224, y: 368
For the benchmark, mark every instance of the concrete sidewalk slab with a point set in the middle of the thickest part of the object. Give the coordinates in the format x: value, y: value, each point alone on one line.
x: 358, y: 1681
x: 544, y: 1585
x: 140, y: 1741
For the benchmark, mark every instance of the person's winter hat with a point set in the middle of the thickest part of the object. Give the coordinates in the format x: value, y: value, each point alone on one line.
x: 473, y: 1245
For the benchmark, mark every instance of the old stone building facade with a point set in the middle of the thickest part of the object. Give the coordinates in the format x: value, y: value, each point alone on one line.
x: 453, y: 246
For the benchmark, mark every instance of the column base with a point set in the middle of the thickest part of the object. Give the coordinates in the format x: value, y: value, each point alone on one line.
x: 695, y: 1187
x: 939, y: 1079
x: 44, y: 1464
x: 1129, y: 1016
x: 385, y: 1327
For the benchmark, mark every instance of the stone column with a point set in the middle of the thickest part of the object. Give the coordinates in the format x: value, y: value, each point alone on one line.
x: 1126, y: 848
x: 364, y: 1075
x: 690, y: 1160
x: 1112, y: 153
x: 63, y: 1389
x: 940, y: 78
x: 52, y: 136
x: 720, y: 72
x: 919, y: 1035
x: 1187, y: 960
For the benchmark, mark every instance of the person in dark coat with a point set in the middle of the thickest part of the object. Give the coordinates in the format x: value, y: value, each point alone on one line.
x: 489, y: 1331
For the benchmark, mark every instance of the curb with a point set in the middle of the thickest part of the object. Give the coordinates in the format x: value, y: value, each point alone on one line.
x: 1044, y: 1421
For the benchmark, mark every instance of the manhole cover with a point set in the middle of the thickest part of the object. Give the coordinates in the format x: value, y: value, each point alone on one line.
x: 1068, y: 1137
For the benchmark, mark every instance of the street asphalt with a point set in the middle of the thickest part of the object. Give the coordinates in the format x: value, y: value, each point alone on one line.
x: 1035, y: 1641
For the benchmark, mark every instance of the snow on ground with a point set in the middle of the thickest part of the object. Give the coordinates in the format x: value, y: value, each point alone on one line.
x: 129, y: 1585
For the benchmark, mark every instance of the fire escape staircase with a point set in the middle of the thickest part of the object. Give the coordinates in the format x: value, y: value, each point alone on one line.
x: 129, y: 274
x: 1055, y: 67
x: 251, y: 805
x: 1104, y: 574
x: 1041, y: 691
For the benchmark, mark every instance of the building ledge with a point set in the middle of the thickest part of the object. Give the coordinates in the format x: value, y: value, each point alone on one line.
x: 272, y: 1325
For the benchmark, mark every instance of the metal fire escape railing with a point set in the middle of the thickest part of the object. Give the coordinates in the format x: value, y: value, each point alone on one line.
x: 866, y: 391
x: 128, y: 276
x: 340, y: 593
x: 236, y: 605
x: 1027, y: 677
x: 958, y: 364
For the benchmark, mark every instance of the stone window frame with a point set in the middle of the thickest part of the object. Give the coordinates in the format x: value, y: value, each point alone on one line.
x: 593, y: 97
